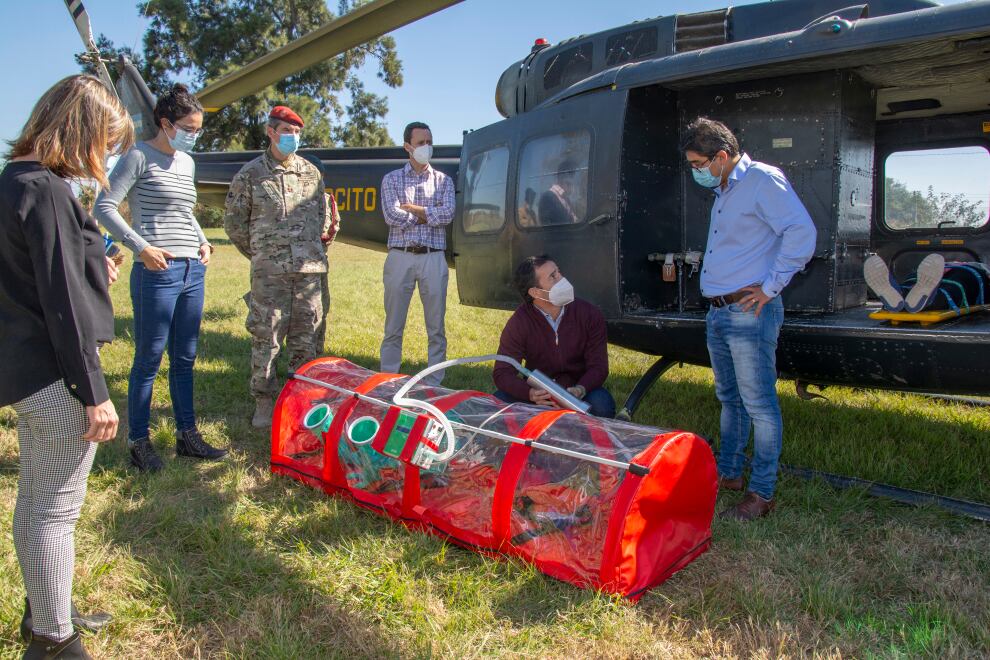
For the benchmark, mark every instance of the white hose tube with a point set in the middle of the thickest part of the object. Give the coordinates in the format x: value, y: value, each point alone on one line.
x: 400, y: 400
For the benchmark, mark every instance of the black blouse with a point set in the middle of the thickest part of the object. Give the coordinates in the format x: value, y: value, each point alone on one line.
x: 54, y: 307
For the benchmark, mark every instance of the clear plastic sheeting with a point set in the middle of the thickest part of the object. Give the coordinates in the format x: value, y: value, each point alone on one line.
x: 595, y: 502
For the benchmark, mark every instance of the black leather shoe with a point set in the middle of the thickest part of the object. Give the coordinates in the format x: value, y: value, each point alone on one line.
x: 190, y: 443
x: 144, y: 457
x: 86, y: 622
x: 42, y: 648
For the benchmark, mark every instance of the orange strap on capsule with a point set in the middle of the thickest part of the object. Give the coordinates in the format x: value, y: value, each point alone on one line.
x: 512, y: 467
x: 333, y: 473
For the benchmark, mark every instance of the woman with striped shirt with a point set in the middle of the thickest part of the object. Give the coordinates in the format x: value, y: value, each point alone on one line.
x: 167, y: 279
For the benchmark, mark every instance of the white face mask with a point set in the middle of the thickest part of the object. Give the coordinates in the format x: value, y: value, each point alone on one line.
x: 423, y: 154
x: 561, y: 293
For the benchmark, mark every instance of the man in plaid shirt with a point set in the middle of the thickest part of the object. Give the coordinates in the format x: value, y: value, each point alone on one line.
x: 418, y: 204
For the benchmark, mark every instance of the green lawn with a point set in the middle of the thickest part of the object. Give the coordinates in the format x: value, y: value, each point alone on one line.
x: 226, y: 560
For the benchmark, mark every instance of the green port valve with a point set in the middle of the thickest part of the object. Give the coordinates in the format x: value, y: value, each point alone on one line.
x: 362, y: 430
x: 318, y: 419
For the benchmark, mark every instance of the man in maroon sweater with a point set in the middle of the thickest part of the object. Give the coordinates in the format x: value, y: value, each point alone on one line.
x: 560, y: 335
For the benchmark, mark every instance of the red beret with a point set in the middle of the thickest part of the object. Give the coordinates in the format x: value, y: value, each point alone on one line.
x: 286, y: 114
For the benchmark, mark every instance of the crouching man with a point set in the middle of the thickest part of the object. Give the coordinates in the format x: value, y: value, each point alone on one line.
x: 562, y: 336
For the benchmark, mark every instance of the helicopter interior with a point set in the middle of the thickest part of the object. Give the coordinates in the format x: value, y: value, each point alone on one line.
x: 851, y: 132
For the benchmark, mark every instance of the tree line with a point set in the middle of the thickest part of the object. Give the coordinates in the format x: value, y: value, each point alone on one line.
x: 198, y: 41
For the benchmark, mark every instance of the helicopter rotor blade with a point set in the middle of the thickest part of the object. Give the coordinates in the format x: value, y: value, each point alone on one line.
x: 81, y: 18
x: 353, y: 29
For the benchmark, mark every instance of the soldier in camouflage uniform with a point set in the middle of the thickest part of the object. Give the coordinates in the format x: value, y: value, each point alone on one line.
x: 279, y: 216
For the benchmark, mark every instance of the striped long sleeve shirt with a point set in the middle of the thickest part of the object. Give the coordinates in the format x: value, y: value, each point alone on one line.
x: 431, y: 189
x: 161, y: 193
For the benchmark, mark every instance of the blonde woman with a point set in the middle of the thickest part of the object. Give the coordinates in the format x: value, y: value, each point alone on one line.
x: 55, y: 313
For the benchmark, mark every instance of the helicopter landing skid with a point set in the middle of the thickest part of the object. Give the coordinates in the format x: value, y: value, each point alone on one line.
x: 659, y: 368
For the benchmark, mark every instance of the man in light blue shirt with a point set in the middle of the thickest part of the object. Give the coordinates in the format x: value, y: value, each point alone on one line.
x: 760, y: 236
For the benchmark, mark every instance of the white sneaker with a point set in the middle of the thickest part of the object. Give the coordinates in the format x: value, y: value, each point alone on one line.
x: 930, y: 272
x: 880, y: 281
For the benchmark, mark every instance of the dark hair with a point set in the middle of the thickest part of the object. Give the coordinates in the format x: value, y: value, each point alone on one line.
x: 708, y: 137
x: 525, y: 277
x: 175, y: 104
x: 407, y: 134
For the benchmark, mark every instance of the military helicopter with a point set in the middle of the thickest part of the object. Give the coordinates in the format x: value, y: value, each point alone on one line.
x: 836, y: 95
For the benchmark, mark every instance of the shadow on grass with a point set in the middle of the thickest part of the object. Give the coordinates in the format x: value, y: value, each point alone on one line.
x: 229, y: 587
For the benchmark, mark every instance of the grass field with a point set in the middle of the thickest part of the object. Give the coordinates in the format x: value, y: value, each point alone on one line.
x: 225, y: 560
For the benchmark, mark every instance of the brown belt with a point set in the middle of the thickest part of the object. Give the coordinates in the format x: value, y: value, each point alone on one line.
x: 727, y: 299
x: 416, y: 249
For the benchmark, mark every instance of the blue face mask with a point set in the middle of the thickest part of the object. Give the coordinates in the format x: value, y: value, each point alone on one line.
x: 288, y: 143
x: 704, y: 177
x: 183, y: 140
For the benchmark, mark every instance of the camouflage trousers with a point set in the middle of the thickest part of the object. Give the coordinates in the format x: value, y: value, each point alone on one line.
x: 285, y: 308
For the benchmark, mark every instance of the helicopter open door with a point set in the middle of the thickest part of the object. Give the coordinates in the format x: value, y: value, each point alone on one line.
x: 482, y: 229
x: 931, y: 190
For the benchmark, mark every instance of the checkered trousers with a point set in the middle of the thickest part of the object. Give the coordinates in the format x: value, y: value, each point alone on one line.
x: 54, y: 465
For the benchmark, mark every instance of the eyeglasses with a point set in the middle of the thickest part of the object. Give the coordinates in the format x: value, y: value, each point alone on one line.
x: 191, y: 132
x: 698, y: 168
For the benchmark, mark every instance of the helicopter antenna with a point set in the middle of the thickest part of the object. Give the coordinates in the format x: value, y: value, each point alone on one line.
x: 92, y: 56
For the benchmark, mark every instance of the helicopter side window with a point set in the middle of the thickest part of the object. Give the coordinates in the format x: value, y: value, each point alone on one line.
x: 937, y: 189
x: 631, y: 45
x: 553, y: 180
x: 568, y: 67
x: 484, y: 194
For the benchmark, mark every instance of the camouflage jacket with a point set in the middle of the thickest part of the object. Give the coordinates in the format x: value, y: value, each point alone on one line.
x: 276, y: 214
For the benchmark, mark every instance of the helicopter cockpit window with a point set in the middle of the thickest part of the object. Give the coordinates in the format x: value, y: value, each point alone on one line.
x: 631, y: 45
x: 568, y: 67
x: 553, y: 180
x: 937, y: 189
x: 484, y: 194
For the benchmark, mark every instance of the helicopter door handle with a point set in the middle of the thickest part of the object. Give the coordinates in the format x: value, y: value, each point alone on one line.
x: 600, y: 219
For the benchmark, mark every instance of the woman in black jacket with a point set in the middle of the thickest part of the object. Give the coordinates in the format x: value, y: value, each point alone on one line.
x: 55, y: 313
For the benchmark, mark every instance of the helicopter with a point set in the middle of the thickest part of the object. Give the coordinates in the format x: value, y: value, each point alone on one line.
x: 834, y: 95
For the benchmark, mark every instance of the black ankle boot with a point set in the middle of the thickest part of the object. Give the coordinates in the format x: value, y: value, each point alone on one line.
x: 190, y: 443
x: 144, y: 457
x: 86, y: 622
x: 42, y: 648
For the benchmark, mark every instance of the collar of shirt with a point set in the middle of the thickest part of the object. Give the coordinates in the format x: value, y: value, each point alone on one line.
x: 554, y: 323
x: 410, y: 171
x: 737, y: 173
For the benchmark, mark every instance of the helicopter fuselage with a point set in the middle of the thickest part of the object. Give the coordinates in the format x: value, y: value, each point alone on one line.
x: 586, y: 168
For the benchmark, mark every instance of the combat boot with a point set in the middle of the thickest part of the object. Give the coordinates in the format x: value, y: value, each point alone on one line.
x: 264, y: 408
x: 190, y: 443
x: 144, y: 457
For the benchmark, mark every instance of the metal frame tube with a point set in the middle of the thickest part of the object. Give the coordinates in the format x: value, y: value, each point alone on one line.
x: 631, y: 467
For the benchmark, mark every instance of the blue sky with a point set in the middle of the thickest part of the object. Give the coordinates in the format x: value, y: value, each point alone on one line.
x: 451, y: 60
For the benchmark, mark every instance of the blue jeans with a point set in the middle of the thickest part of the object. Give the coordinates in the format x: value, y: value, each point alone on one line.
x: 743, y: 349
x: 168, y: 308
x: 602, y: 403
